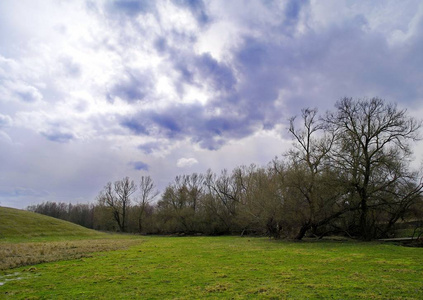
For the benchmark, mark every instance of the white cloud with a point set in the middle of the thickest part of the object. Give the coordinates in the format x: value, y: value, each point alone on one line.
x: 186, y: 162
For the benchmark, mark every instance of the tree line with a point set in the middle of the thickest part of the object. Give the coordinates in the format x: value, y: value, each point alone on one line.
x: 348, y: 172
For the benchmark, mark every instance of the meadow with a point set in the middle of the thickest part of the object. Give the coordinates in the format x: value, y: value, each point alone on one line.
x: 225, y: 267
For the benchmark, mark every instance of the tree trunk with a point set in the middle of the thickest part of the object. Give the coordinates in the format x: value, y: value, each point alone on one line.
x: 364, y: 227
x: 303, y: 231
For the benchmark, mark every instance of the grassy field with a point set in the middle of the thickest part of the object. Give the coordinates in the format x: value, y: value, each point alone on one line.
x: 223, y: 267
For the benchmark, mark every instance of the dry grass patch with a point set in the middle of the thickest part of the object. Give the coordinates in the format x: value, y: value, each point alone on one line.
x: 14, y: 255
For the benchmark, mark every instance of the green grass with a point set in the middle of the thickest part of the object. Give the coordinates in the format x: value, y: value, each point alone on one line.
x: 60, y: 260
x: 22, y: 226
x: 226, y: 268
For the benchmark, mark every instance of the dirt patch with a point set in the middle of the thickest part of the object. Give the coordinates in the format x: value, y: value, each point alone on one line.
x: 14, y: 255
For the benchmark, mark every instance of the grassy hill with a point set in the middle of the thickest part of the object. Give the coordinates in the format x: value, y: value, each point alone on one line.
x: 28, y: 238
x: 21, y: 225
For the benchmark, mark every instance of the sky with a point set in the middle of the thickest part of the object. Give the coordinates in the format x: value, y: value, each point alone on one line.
x: 93, y: 91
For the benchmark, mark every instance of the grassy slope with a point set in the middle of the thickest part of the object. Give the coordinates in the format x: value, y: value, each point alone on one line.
x: 27, y: 238
x: 19, y: 225
x: 227, y: 268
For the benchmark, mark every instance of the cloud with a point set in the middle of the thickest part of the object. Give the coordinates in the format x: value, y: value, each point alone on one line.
x: 19, y: 91
x: 133, y: 86
x: 149, y: 147
x: 70, y: 67
x: 58, y: 136
x: 27, y: 93
x: 186, y: 162
x: 220, y: 75
x: 190, y: 121
x: 197, y: 8
x: 139, y: 165
x: 5, y: 121
x: 10, y: 192
x: 293, y: 10
x: 134, y: 125
x: 7, y: 67
x: 5, y: 138
x: 201, y: 70
x: 130, y: 8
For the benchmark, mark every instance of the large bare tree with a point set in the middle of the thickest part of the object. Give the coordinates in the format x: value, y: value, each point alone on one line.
x: 372, y: 154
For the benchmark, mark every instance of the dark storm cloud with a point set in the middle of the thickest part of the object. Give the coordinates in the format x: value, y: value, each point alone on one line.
x: 314, y: 68
x: 134, y: 125
x: 322, y: 65
x: 203, y: 69
x: 264, y: 69
x: 132, y: 86
x: 241, y: 107
x: 170, y: 122
x: 219, y: 75
x: 359, y: 63
x: 193, y: 121
x: 174, y: 121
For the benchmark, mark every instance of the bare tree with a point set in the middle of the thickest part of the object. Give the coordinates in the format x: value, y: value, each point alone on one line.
x: 312, y: 143
x: 180, y: 203
x: 226, y: 189
x: 148, y: 192
x: 195, y: 185
x: 117, y: 197
x: 218, y: 203
x: 372, y: 151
